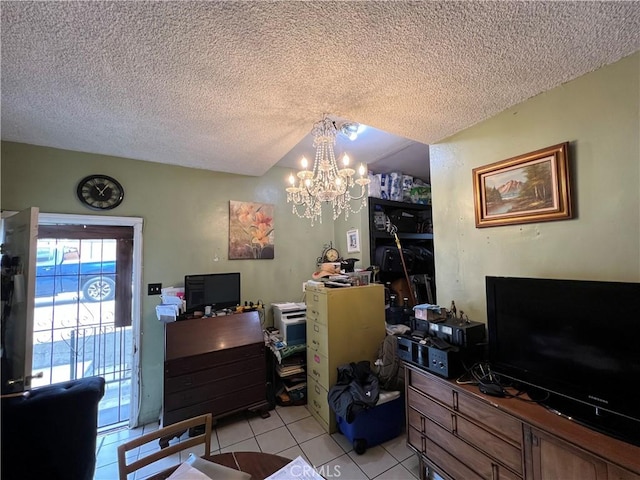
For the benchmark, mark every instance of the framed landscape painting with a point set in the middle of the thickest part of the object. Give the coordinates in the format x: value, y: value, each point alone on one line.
x: 533, y: 187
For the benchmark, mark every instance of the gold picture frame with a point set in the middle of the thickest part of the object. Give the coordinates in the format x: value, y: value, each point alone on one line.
x: 533, y: 187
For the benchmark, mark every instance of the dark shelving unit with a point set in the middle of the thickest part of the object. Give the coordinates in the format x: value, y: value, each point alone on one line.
x: 415, y: 232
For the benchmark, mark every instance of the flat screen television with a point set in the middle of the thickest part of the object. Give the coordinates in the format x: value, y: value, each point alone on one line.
x: 573, y: 344
x: 220, y: 290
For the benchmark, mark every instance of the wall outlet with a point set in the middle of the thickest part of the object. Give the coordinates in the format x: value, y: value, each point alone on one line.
x: 154, y: 289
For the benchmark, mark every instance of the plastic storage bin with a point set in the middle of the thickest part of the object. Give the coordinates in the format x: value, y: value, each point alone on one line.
x: 381, y: 423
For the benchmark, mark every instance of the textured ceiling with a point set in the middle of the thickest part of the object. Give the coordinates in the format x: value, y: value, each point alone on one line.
x: 235, y: 86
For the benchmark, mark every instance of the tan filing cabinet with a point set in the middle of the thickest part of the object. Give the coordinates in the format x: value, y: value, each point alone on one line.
x: 343, y: 325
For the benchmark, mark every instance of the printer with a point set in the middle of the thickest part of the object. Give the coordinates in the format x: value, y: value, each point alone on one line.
x: 291, y: 320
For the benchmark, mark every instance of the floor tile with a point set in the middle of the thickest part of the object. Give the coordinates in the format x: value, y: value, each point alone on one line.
x: 234, y: 433
x: 260, y: 425
x: 292, y: 453
x: 122, y: 435
x: 374, y: 461
x: 276, y: 440
x: 343, y: 441
x: 342, y: 467
x: 150, y: 427
x: 289, y: 432
x: 107, y: 472
x: 107, y: 454
x: 198, y: 450
x: 412, y: 465
x: 305, y: 429
x: 398, y: 448
x: 293, y: 413
x: 395, y: 473
x: 249, y: 445
x: 321, y: 450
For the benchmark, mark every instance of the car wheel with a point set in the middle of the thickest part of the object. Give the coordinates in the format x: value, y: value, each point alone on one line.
x: 99, y: 289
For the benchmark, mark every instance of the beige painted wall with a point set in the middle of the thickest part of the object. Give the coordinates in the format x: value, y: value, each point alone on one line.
x: 599, y: 115
x: 185, y: 214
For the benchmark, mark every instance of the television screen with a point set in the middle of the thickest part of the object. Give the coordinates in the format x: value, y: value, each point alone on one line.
x: 220, y: 290
x: 575, y: 340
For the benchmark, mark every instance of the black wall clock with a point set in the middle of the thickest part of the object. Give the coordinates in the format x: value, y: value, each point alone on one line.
x: 100, y: 192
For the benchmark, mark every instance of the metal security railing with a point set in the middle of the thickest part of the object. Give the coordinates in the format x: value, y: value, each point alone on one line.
x: 65, y: 349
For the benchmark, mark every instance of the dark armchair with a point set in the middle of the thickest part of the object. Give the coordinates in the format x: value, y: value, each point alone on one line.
x: 51, y: 432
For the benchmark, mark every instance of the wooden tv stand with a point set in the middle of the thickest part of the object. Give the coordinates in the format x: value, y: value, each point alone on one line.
x: 462, y: 434
x: 214, y: 365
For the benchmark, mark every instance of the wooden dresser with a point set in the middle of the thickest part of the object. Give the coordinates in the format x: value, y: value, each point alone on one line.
x: 343, y: 325
x: 462, y: 434
x: 214, y: 365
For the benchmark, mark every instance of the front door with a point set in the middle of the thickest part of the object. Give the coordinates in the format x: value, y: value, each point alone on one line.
x: 82, y: 320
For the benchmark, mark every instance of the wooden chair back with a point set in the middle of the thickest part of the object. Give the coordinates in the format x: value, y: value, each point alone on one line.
x: 165, y: 433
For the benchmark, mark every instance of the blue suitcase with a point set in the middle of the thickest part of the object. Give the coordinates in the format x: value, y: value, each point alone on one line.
x: 377, y: 425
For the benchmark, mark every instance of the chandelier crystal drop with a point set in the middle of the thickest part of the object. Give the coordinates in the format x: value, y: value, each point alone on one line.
x: 326, y: 182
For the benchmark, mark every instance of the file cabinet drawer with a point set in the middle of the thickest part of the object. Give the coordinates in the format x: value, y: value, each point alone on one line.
x: 317, y: 338
x: 317, y: 401
x: 318, y: 368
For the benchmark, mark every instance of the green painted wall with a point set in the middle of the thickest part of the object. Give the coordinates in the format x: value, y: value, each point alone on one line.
x: 186, y: 210
x: 185, y: 214
x: 599, y: 115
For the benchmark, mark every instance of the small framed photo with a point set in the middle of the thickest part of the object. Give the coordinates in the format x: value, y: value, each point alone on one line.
x: 353, y: 241
x: 533, y: 187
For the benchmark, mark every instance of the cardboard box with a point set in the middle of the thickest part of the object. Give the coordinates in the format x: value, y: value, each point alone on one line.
x: 429, y: 312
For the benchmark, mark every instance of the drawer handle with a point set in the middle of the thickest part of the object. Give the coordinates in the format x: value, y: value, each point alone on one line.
x: 455, y: 401
x: 495, y: 472
x: 315, y: 372
x: 316, y: 297
x: 316, y: 328
x: 317, y: 389
x: 423, y: 425
x: 454, y: 424
x: 315, y: 402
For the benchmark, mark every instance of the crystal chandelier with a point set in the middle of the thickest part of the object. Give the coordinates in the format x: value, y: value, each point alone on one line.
x: 327, y: 183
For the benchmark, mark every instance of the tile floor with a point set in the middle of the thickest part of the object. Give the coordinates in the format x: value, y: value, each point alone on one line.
x: 288, y: 432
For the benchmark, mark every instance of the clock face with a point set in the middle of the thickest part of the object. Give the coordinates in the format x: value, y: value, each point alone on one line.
x: 100, y: 192
x: 331, y: 254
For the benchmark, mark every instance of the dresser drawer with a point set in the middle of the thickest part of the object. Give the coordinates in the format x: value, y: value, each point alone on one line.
x: 173, y: 384
x: 216, y: 387
x: 490, y: 416
x: 422, y: 408
x: 431, y: 387
x: 204, y: 361
x: 219, y: 406
x: 317, y: 401
x: 317, y: 338
x: 318, y: 368
x: 440, y: 457
x: 429, y: 408
x: 474, y: 459
x: 468, y: 406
